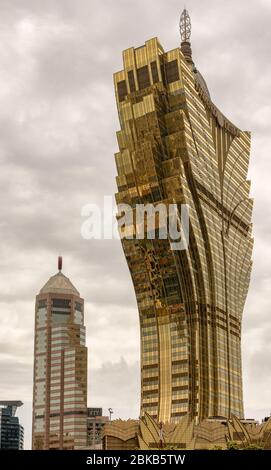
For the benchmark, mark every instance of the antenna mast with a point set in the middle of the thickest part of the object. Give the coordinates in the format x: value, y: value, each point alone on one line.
x: 185, y: 26
x: 185, y: 31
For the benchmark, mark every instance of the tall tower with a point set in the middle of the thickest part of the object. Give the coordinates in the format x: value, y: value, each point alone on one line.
x: 175, y: 146
x: 60, y: 367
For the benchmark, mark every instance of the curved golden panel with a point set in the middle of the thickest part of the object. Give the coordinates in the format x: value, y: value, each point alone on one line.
x: 123, y: 430
x: 148, y: 434
x: 175, y: 146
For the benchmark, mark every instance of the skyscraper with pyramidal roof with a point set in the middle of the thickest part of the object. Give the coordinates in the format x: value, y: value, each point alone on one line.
x: 60, y: 367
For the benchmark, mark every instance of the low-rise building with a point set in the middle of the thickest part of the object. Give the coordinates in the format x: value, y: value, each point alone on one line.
x: 211, y: 433
x: 95, y: 424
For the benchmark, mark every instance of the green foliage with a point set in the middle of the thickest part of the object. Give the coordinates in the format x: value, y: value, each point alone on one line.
x: 233, y: 445
x: 171, y: 447
x: 253, y: 447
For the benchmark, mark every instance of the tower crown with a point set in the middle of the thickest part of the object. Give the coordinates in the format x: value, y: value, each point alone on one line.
x: 59, y: 284
x: 185, y: 31
x: 185, y: 26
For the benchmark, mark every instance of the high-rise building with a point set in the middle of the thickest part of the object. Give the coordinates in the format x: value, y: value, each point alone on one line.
x: 11, y: 431
x: 60, y: 367
x: 176, y: 147
x: 95, y: 424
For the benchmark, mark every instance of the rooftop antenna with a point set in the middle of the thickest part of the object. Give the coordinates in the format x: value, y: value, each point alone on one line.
x: 185, y: 31
x: 185, y: 26
x: 59, y: 263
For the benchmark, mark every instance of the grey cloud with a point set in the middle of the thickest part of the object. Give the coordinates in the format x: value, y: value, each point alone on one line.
x: 123, y: 380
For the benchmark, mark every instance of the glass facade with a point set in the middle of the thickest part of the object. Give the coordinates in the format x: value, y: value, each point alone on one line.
x: 11, y: 431
x: 175, y: 146
x: 60, y: 368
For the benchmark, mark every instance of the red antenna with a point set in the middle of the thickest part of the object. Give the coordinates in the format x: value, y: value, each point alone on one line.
x: 59, y: 263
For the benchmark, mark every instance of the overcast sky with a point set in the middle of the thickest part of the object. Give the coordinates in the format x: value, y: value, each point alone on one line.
x: 57, y: 141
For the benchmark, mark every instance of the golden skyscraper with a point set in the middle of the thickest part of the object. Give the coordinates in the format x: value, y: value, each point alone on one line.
x: 60, y: 367
x: 175, y: 146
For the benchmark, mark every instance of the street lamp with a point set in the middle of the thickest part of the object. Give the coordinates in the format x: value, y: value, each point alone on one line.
x: 110, y: 413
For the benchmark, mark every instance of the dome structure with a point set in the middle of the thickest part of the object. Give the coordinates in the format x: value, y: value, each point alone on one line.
x: 202, y: 83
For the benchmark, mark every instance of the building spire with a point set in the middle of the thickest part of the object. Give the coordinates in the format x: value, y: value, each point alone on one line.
x: 185, y: 31
x: 59, y: 263
x: 185, y: 26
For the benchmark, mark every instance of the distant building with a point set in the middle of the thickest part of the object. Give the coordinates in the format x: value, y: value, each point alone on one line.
x: 11, y: 431
x: 60, y: 367
x: 95, y: 424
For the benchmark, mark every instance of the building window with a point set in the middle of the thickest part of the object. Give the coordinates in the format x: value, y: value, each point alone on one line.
x: 41, y: 317
x: 60, y: 317
x: 61, y: 303
x: 78, y: 317
x: 40, y: 367
x: 131, y: 79
x: 154, y: 71
x: 41, y: 341
x: 78, y: 307
x: 143, y: 77
x: 122, y: 90
x: 172, y: 72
